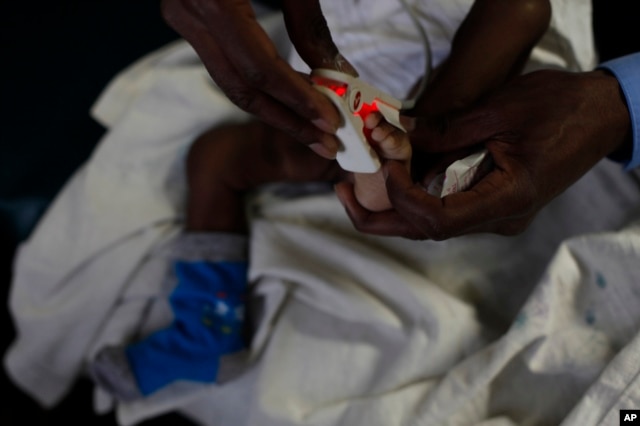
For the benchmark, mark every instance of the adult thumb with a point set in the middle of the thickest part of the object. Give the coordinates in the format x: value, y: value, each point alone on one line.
x: 453, y: 132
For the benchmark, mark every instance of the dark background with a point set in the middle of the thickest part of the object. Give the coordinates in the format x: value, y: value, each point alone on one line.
x: 56, y: 57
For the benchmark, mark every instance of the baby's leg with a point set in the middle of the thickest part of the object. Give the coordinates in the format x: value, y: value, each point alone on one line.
x: 205, y: 341
x: 226, y: 162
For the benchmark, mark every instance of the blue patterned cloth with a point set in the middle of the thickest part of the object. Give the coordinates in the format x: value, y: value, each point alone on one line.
x: 208, y: 307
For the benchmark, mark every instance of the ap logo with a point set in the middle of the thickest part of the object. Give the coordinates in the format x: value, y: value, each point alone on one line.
x: 630, y: 417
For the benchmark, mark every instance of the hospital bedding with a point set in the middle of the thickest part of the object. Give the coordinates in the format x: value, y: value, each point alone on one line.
x: 542, y: 328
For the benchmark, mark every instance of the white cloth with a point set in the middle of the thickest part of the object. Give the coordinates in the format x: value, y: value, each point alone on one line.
x: 358, y: 330
x: 380, y: 39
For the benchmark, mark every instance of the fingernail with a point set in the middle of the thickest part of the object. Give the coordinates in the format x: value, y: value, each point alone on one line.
x: 331, y: 142
x: 324, y: 125
x: 322, y: 151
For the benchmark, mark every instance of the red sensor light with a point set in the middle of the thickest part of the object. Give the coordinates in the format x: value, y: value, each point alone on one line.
x: 340, y: 90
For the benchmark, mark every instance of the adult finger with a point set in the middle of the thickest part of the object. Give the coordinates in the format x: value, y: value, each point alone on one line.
x: 385, y: 223
x: 239, y: 54
x: 494, y: 200
x: 459, y: 130
x: 254, y: 57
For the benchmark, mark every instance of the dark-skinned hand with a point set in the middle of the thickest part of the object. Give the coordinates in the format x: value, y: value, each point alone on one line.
x: 245, y: 64
x: 544, y: 131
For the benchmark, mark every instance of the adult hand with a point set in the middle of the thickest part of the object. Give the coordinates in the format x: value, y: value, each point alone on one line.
x: 245, y: 64
x: 544, y: 130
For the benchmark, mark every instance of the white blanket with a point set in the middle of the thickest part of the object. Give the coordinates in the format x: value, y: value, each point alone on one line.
x: 358, y: 330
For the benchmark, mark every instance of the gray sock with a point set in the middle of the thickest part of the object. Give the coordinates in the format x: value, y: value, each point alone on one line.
x: 110, y: 370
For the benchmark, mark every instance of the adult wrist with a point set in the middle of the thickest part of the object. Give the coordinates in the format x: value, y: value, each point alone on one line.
x: 626, y: 70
